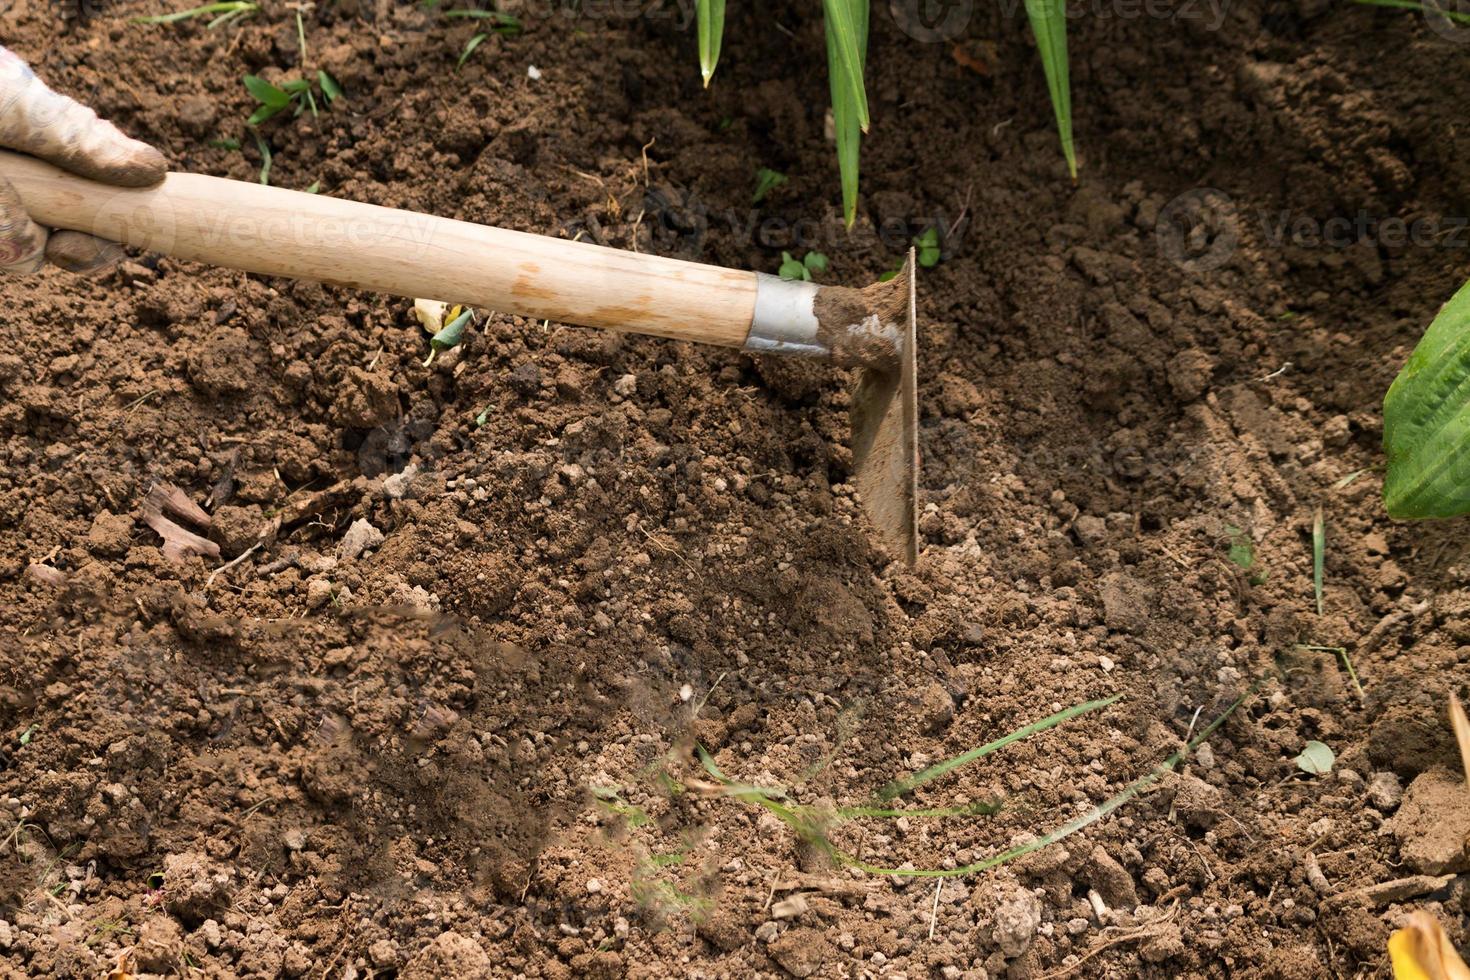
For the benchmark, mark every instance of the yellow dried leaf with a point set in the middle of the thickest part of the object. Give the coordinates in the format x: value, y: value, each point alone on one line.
x: 124, y: 970
x: 1461, y: 725
x: 1422, y: 951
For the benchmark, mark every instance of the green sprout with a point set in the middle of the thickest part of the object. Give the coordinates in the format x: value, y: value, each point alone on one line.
x: 495, y: 22
x: 1243, y: 554
x: 298, y: 93
x: 804, y: 269
x: 766, y: 180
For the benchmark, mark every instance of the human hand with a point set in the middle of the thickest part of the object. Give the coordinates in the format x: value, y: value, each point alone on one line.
x: 45, y: 124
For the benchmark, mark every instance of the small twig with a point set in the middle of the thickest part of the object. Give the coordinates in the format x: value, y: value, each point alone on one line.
x: 229, y: 565
x: 934, y: 912
x: 1145, y: 932
x: 651, y: 141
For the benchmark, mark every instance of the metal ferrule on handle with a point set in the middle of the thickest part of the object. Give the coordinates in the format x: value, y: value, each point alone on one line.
x: 784, y: 321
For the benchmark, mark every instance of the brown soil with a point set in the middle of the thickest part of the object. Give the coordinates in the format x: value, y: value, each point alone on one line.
x: 465, y: 752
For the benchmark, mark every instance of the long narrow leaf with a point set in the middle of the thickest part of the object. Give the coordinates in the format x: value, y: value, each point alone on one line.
x: 847, y: 47
x: 848, y: 106
x: 1049, y: 24
x: 1457, y: 16
x: 711, y: 14
x: 232, y: 8
x: 1071, y: 826
x: 901, y: 786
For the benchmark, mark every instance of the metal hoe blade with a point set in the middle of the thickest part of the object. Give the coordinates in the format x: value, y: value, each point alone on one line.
x: 885, y: 435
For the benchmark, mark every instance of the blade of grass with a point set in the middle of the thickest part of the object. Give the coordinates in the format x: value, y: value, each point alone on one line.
x: 847, y: 47
x: 234, y: 8
x: 711, y: 14
x: 1346, y: 662
x: 1319, y: 545
x: 1455, y: 15
x: 1049, y: 24
x: 223, y: 19
x: 265, y: 158
x: 469, y: 49
x: 301, y: 36
x: 849, y: 106
x: 899, y: 787
x: 1072, y: 826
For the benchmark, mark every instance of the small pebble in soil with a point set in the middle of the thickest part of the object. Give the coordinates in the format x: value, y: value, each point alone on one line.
x: 359, y: 538
x: 1385, y: 791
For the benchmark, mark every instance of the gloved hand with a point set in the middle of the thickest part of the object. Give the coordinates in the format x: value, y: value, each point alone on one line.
x: 38, y: 121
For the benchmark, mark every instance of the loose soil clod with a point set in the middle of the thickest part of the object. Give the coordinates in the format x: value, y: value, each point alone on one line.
x: 327, y: 769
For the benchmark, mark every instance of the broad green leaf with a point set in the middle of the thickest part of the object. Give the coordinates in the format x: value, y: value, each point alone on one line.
x: 265, y: 93
x: 1315, y: 758
x: 849, y: 105
x: 1049, y: 24
x: 815, y: 261
x: 711, y: 14
x: 1426, y: 421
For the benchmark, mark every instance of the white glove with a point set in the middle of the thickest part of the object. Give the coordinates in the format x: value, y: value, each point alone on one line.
x: 38, y: 121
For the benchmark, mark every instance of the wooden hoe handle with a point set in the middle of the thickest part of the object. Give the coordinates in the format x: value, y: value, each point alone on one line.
x: 278, y: 232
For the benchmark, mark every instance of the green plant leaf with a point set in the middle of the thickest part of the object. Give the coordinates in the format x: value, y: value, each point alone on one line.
x: 711, y: 22
x: 849, y: 100
x: 265, y: 158
x: 329, y: 85
x: 452, y: 333
x: 1049, y: 24
x: 928, y: 247
x: 469, y: 49
x: 261, y: 114
x: 1315, y: 758
x: 766, y: 181
x: 793, y: 269
x: 1426, y: 421
x: 1319, y: 548
x: 1459, y: 17
x: 847, y: 33
x: 815, y: 261
x: 234, y: 8
x: 265, y: 93
x: 899, y: 787
x: 506, y: 24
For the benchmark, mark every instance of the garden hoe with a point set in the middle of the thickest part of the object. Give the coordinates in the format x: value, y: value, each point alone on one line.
x: 278, y: 232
